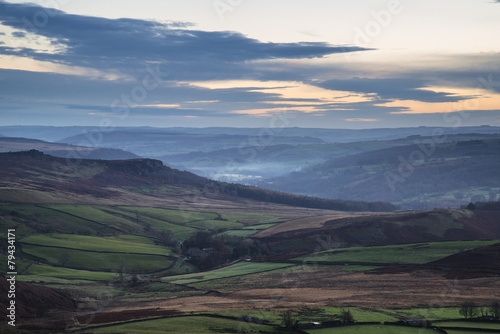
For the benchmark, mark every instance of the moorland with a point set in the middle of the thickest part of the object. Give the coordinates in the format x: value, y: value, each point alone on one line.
x: 133, y: 246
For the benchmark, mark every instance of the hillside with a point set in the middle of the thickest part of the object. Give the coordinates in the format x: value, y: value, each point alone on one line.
x: 444, y: 175
x: 9, y: 144
x: 83, y: 177
x: 153, y: 143
x: 131, y: 242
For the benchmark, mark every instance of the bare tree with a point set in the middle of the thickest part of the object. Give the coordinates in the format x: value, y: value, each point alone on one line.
x: 288, y: 319
x: 494, y: 309
x: 346, y: 317
x: 468, y: 310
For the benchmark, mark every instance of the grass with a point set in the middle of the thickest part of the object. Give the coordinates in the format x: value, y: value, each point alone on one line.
x: 370, y: 329
x: 438, y: 313
x: 98, y: 215
x: 238, y: 269
x: 454, y: 331
x: 155, y: 224
x: 35, y: 218
x: 171, y: 215
x: 238, y: 233
x: 47, y: 271
x: 214, y: 225
x: 402, y: 254
x: 259, y: 227
x: 183, y: 325
x: 80, y: 259
x: 118, y: 244
x: 483, y: 325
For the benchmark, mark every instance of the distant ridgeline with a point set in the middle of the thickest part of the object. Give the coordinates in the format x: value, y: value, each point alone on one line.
x: 137, y: 172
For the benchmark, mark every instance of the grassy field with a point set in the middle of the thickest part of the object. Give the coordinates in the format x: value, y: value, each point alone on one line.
x: 438, y: 313
x: 97, y: 215
x: 101, y: 261
x: 238, y: 233
x: 402, y: 254
x: 30, y: 219
x: 155, y: 224
x: 117, y: 244
x: 238, y: 269
x: 122, y: 252
x: 183, y: 325
x: 371, y: 329
x: 465, y: 324
x: 171, y: 215
x: 36, y: 273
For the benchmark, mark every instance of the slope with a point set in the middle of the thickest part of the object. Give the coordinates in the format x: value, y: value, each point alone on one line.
x: 9, y: 144
x: 415, y: 176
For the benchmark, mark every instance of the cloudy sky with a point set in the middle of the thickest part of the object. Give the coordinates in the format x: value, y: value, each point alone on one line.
x: 249, y: 63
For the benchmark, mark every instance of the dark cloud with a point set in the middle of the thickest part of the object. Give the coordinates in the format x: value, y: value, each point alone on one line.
x: 391, y: 89
x: 129, y: 43
x: 18, y: 34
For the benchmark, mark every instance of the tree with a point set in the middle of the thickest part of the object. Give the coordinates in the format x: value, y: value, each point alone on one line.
x: 63, y: 259
x: 288, y: 319
x: 165, y: 238
x: 468, y: 310
x: 494, y: 309
x: 346, y: 317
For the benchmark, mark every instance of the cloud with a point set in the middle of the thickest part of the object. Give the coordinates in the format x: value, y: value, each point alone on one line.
x: 391, y: 89
x: 362, y: 120
x: 126, y: 44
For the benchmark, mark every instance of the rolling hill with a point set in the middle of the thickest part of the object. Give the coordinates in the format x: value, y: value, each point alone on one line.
x: 134, y: 243
x: 414, y: 176
x: 9, y: 144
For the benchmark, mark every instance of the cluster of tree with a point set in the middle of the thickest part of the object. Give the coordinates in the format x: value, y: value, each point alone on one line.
x: 290, y: 319
x: 206, y: 251
x: 470, y: 310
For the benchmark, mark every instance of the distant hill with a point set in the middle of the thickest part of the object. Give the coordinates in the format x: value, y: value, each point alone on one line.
x: 41, y: 173
x: 416, y: 177
x: 52, y: 133
x: 8, y: 144
x: 154, y: 143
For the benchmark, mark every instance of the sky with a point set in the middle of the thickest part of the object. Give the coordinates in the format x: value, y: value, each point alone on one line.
x: 250, y: 63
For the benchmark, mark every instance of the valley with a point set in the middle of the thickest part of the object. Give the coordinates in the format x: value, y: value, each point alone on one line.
x: 135, y: 246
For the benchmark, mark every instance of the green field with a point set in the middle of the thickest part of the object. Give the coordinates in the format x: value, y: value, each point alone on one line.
x: 238, y: 233
x: 101, y: 261
x: 96, y: 214
x: 371, y: 329
x: 438, y: 313
x: 183, y: 325
x: 465, y: 324
x: 117, y: 244
x: 170, y: 215
x: 155, y: 224
x: 37, y: 272
x: 238, y: 269
x: 122, y: 252
x: 401, y: 254
x: 31, y: 218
